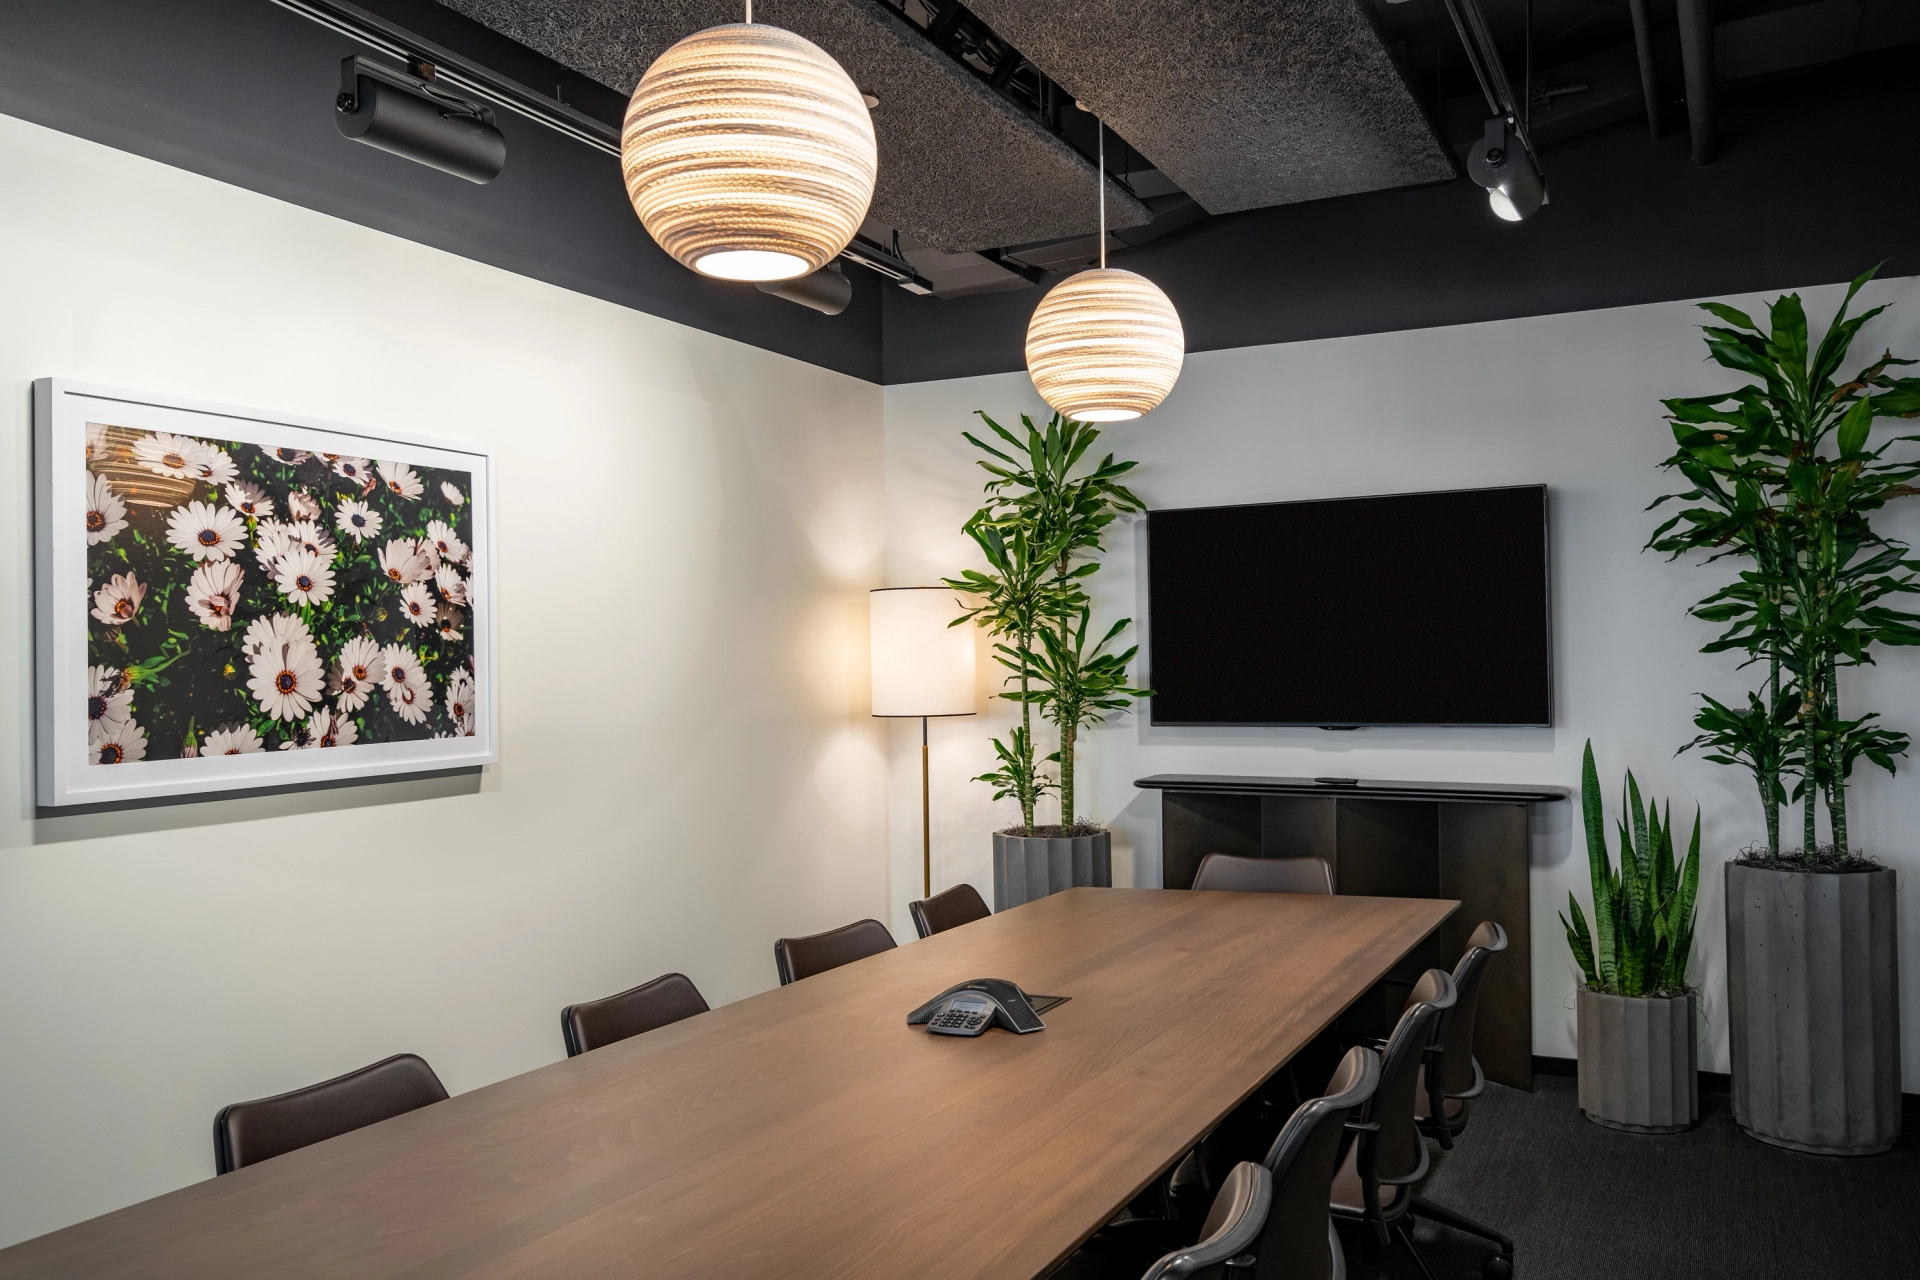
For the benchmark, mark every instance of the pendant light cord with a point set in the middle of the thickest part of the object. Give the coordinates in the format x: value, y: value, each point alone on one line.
x: 1101, y: 147
x: 749, y: 12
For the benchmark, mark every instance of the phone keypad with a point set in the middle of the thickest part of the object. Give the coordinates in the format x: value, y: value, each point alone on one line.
x: 961, y: 1020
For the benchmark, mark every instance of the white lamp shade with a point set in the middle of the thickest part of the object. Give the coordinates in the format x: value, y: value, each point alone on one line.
x: 921, y: 666
x: 1105, y: 345
x: 749, y: 153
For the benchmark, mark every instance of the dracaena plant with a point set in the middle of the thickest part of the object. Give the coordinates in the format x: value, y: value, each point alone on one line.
x: 1044, y: 521
x: 1642, y: 934
x: 1786, y: 478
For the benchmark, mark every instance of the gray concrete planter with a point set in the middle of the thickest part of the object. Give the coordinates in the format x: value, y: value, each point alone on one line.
x: 1027, y: 868
x: 1813, y: 987
x: 1639, y: 1061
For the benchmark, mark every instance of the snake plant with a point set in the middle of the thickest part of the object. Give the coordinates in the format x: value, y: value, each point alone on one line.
x: 1642, y: 935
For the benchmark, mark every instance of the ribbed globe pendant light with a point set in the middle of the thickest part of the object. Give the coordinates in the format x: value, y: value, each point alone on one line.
x: 748, y: 153
x: 1106, y: 344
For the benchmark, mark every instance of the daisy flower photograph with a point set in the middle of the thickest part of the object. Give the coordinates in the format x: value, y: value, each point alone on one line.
x: 248, y: 598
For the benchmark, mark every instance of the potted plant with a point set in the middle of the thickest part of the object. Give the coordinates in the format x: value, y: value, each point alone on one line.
x: 1636, y: 1017
x: 1038, y: 533
x: 1786, y: 480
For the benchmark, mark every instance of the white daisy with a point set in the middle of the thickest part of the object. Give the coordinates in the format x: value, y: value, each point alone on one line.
x: 96, y: 441
x: 250, y: 500
x: 445, y: 541
x: 213, y: 593
x: 271, y: 541
x: 402, y: 562
x: 446, y: 620
x: 451, y: 585
x: 206, y: 532
x: 460, y: 702
x: 356, y: 674
x: 169, y: 455
x: 357, y: 520
x: 304, y: 578
x: 289, y: 457
x: 266, y: 634
x: 287, y: 679
x: 453, y: 494
x: 117, y: 602
x: 416, y: 602
x: 331, y: 729
x: 299, y: 737
x: 213, y: 465
x: 306, y: 536
x: 400, y: 479
x: 234, y: 740
x: 128, y: 742
x: 405, y: 682
x: 106, y: 514
x: 354, y: 469
x: 109, y: 702
x: 302, y: 505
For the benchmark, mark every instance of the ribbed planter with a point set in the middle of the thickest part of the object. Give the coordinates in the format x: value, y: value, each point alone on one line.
x: 1025, y: 868
x: 1639, y: 1060
x: 1813, y: 987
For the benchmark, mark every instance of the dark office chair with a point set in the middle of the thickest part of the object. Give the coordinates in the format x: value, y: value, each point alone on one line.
x: 798, y: 958
x: 1377, y: 1182
x: 1448, y: 1085
x: 1264, y: 875
x: 249, y: 1132
x: 1235, y: 1221
x: 948, y: 909
x: 1298, y: 1240
x: 651, y: 1004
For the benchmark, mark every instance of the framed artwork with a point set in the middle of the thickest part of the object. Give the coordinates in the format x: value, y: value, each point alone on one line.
x: 229, y: 599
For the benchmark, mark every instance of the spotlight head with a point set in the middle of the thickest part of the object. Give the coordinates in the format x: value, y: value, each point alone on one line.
x: 403, y: 114
x: 827, y: 290
x: 1500, y: 163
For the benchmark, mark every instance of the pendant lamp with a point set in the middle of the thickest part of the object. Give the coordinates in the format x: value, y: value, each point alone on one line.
x: 1104, y: 345
x: 748, y: 153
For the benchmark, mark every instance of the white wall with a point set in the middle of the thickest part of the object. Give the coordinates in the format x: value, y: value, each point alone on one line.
x: 688, y: 528
x: 1569, y: 400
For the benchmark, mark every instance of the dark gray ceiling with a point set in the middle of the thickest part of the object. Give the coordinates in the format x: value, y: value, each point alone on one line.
x: 961, y: 168
x: 1242, y: 103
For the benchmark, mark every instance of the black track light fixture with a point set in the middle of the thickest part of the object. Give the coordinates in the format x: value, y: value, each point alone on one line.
x: 405, y: 113
x: 1500, y: 163
x: 827, y: 290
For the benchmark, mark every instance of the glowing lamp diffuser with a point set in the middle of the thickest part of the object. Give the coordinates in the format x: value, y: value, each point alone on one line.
x: 748, y: 153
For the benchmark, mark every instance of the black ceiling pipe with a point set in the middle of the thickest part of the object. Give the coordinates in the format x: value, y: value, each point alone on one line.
x: 1696, y: 61
x: 1649, y: 77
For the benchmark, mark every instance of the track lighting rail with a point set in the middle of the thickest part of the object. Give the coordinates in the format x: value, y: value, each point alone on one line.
x: 452, y: 70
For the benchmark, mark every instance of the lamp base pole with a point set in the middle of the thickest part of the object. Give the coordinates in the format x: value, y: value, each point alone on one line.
x: 926, y: 819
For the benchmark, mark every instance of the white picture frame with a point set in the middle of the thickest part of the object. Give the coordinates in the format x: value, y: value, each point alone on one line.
x: 67, y: 486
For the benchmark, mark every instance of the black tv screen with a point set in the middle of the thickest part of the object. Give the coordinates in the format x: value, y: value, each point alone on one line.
x: 1420, y: 608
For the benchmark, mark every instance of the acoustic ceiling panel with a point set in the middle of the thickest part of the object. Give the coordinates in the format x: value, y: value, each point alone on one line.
x: 961, y: 168
x: 1243, y: 103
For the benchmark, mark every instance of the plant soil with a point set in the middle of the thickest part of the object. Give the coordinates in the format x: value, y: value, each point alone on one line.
x: 1054, y: 832
x: 1824, y: 858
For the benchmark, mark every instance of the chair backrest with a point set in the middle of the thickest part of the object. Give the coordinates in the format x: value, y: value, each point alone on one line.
x: 249, y: 1132
x: 668, y: 998
x: 1297, y: 1242
x: 1394, y: 1151
x: 798, y: 958
x: 1234, y: 1222
x: 1264, y: 875
x: 1457, y: 1075
x: 948, y: 909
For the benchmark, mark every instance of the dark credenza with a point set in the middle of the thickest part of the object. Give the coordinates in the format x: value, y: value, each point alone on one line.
x: 1467, y: 841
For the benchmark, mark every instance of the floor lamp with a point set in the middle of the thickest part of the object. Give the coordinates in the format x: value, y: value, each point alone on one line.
x: 921, y: 667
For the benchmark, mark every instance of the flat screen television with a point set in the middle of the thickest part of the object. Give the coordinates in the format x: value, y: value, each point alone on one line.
x: 1410, y: 609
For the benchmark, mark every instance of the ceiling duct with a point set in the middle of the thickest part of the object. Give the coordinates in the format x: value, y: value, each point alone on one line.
x: 961, y: 166
x: 1241, y: 103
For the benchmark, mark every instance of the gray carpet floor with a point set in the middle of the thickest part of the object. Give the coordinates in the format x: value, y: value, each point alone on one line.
x: 1583, y: 1202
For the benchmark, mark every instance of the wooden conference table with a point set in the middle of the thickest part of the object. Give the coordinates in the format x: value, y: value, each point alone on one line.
x: 808, y: 1131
